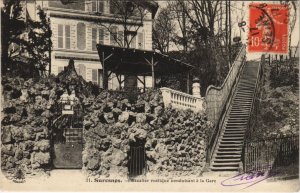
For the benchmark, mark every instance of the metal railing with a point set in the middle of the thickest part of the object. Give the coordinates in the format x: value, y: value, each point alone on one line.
x: 137, y: 160
x: 255, y: 100
x: 218, y: 99
x: 271, y: 153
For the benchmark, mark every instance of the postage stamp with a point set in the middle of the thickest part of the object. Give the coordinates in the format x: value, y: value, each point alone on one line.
x: 268, y: 28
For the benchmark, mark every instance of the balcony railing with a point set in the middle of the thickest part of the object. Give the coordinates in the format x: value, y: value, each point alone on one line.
x: 180, y: 100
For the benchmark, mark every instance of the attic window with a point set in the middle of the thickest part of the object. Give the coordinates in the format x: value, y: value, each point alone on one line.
x: 98, y: 6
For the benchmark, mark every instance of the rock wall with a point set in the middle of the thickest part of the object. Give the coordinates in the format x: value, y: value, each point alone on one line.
x: 27, y: 108
x: 175, y: 140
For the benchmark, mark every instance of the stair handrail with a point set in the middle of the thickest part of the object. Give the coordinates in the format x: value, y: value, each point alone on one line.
x: 219, y: 119
x: 242, y: 53
x: 253, y: 109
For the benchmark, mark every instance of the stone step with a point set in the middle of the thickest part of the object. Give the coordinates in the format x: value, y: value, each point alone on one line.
x: 224, y: 164
x: 241, y: 132
x: 239, y: 116
x: 228, y: 135
x: 230, y: 148
x: 237, y: 121
x: 224, y: 168
x: 236, y: 112
x: 233, y: 139
x: 227, y: 156
x: 229, y: 152
x: 226, y: 160
x: 235, y: 124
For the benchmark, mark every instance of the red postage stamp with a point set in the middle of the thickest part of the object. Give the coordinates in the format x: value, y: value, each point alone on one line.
x: 268, y: 28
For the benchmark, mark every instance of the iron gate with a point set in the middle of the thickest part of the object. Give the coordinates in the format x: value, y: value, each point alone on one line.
x: 137, y: 159
x: 68, y: 140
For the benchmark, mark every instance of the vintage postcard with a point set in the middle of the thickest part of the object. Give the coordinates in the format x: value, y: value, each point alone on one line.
x: 150, y: 95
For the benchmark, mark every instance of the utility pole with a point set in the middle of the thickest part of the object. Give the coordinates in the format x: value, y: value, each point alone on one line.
x: 226, y: 28
x: 229, y: 18
x: 226, y: 25
x: 184, y: 31
x: 221, y: 16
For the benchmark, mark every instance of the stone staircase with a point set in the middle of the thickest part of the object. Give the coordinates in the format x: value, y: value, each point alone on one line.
x: 228, y: 151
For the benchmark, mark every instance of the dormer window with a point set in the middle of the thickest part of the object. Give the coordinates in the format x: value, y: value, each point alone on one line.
x: 98, y: 6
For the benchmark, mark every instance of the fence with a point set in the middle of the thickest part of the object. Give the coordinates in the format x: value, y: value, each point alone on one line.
x: 255, y: 101
x: 137, y: 159
x: 271, y: 153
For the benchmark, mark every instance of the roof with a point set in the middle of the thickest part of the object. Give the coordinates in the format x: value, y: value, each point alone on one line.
x: 131, y: 61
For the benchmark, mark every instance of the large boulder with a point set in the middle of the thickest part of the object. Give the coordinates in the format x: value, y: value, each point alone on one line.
x: 40, y: 158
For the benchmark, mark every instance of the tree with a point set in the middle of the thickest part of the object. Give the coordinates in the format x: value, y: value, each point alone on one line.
x: 130, y: 15
x: 26, y: 44
x: 183, y: 38
x: 197, y: 20
x: 12, y: 29
x: 163, y: 31
x: 39, y: 42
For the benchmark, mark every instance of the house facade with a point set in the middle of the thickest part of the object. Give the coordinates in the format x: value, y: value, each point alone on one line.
x: 78, y: 26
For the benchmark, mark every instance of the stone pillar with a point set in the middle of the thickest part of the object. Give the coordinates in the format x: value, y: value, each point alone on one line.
x: 196, y: 88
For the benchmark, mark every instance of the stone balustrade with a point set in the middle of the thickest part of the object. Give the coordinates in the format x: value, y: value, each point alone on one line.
x: 181, y: 100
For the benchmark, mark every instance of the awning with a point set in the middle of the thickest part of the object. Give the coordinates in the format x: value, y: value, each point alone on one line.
x: 129, y: 61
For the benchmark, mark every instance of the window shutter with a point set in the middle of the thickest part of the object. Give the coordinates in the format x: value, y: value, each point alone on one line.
x: 94, y: 6
x: 81, y: 39
x: 132, y: 42
x: 82, y: 70
x: 121, y: 37
x: 112, y: 6
x: 94, y: 39
x: 60, y: 36
x: 60, y: 69
x: 141, y: 40
x: 67, y: 37
x: 101, y: 6
x: 95, y: 76
x: 113, y: 36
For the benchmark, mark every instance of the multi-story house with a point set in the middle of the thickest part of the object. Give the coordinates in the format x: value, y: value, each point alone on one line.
x: 78, y: 25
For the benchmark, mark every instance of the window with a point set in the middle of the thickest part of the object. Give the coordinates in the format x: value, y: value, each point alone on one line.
x: 113, y: 36
x: 97, y: 37
x: 101, y: 36
x: 95, y: 76
x: 98, y: 6
x: 64, y: 36
x: 140, y: 40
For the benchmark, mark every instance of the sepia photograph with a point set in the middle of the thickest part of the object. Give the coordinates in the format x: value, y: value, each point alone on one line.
x: 150, y: 95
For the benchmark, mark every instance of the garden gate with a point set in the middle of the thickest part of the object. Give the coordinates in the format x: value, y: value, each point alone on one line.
x: 137, y: 159
x: 67, y: 136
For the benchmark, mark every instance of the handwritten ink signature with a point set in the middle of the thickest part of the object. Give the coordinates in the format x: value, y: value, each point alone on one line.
x: 248, y: 179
